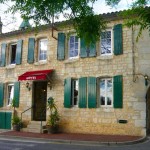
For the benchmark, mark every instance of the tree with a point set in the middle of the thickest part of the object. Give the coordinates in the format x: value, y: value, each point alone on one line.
x: 138, y: 14
x: 80, y: 12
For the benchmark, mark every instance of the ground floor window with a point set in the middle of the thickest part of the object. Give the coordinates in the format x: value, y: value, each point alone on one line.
x: 106, y: 92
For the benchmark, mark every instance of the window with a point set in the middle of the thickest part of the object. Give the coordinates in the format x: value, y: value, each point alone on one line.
x: 74, y: 92
x: 106, y: 43
x: 106, y: 92
x: 73, y: 46
x: 42, y: 49
x: 10, y: 93
x: 12, y: 54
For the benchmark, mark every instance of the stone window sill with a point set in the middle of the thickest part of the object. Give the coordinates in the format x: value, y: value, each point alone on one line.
x: 40, y: 63
x: 71, y: 60
x: 11, y: 66
x: 105, y: 57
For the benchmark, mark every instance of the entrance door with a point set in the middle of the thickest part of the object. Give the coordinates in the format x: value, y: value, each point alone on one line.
x: 39, y: 101
x: 148, y: 111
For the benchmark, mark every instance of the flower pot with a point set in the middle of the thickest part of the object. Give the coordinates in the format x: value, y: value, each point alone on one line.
x: 53, y: 129
x: 16, y: 127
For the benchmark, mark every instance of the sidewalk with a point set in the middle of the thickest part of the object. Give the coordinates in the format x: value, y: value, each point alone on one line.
x: 76, y: 138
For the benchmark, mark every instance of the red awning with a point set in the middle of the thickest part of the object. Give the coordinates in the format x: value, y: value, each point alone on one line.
x: 35, y: 75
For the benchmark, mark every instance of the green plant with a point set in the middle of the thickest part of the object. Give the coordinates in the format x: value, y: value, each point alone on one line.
x: 16, y: 120
x: 54, y: 116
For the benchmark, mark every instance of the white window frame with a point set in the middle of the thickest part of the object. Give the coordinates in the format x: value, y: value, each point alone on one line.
x: 10, y: 54
x: 10, y: 94
x: 107, y: 54
x: 72, y: 92
x: 39, y: 49
x: 106, y: 79
x: 74, y: 49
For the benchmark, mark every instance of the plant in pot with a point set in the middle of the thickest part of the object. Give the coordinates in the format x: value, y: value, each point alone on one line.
x: 54, y: 117
x: 16, y: 120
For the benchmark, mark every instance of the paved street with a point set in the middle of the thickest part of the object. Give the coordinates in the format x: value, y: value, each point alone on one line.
x: 26, y: 144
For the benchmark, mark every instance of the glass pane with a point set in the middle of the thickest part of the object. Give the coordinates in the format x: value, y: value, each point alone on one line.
x: 76, y: 39
x: 71, y: 39
x: 109, y: 92
x: 75, y: 92
x: 102, y: 92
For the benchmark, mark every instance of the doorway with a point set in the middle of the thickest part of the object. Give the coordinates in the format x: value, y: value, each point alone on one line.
x: 148, y: 111
x: 39, y: 101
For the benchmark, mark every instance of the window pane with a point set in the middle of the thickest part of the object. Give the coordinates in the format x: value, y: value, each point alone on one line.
x: 102, y: 92
x: 73, y: 46
x: 106, y: 42
x: 109, y: 92
x: 43, y: 49
x: 10, y: 94
x: 13, y: 54
x: 75, y: 92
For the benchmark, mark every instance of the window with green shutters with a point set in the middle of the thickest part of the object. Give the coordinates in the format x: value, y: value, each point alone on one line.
x: 118, y: 91
x: 92, y: 92
x: 111, y: 41
x: 1, y: 94
x: 83, y: 92
x: 17, y: 93
x: 118, y: 43
x: 15, y: 53
x: 86, y: 51
x: 3, y: 55
x: 19, y: 52
x: 31, y: 47
x: 61, y: 46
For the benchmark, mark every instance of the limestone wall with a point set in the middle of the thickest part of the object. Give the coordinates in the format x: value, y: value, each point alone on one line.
x: 99, y: 120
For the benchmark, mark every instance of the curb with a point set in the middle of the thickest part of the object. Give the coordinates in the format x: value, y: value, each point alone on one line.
x: 75, y: 142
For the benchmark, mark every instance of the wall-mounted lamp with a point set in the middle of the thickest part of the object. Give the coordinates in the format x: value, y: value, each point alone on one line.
x: 28, y: 86
x: 145, y: 77
x: 146, y: 80
x: 49, y: 84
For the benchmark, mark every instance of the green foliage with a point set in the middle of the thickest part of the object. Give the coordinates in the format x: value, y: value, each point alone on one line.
x: 54, y: 115
x: 16, y: 120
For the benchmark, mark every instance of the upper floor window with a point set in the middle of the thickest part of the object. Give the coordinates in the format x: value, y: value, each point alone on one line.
x: 106, y: 92
x: 42, y: 55
x: 10, y: 93
x: 106, y: 43
x: 12, y: 53
x: 73, y: 46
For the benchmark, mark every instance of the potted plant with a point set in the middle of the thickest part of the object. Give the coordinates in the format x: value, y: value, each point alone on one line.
x: 16, y: 122
x: 54, y: 117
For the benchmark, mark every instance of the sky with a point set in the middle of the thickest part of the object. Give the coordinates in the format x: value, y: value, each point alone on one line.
x: 99, y: 8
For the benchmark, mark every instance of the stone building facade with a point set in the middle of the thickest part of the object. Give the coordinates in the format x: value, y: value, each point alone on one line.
x: 99, y: 90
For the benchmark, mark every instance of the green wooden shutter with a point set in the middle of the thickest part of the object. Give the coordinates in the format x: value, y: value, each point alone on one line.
x: 17, y: 93
x: 83, y: 49
x: 83, y: 92
x: 31, y: 47
x: 19, y: 52
x: 67, y: 93
x: 3, y: 55
x: 92, y: 50
x: 92, y: 92
x: 118, y: 44
x: 118, y: 91
x: 8, y: 120
x: 1, y: 94
x: 61, y: 46
x: 2, y: 120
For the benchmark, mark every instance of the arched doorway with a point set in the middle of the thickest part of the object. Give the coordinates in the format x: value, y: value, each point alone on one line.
x: 148, y: 111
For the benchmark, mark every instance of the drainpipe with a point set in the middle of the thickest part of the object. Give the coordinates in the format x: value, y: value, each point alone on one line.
x: 1, y: 24
x: 133, y: 54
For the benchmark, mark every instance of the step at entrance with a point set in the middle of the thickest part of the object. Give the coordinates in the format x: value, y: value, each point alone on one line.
x: 34, y: 126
